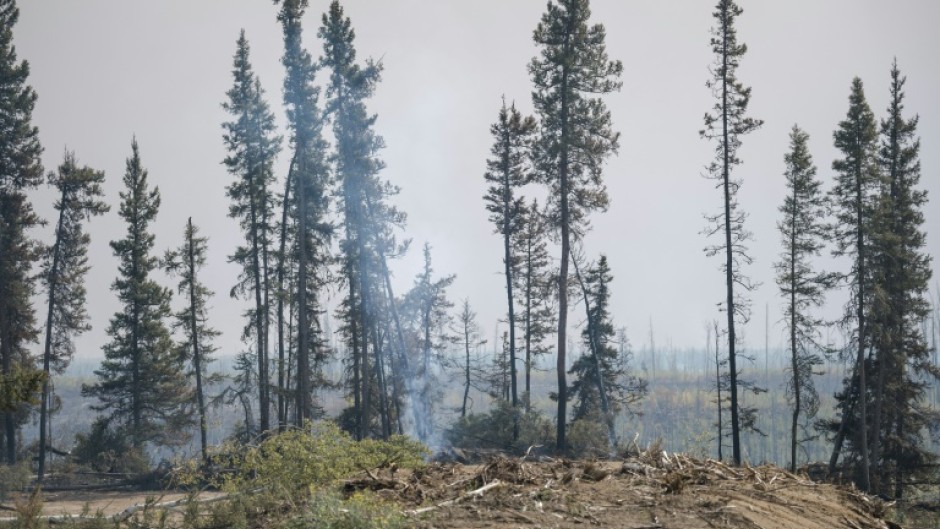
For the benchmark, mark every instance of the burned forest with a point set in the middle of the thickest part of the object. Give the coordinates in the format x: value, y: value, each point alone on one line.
x: 351, y: 264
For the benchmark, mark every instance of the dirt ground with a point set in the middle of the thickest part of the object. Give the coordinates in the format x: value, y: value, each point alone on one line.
x: 106, y: 503
x: 672, y: 492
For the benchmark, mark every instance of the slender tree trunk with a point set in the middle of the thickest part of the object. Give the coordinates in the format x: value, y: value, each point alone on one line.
x: 9, y: 419
x: 793, y: 345
x: 729, y: 249
x: 47, y: 350
x: 466, y: 385
x: 862, y: 390
x: 721, y: 433
x: 507, y: 260
x: 598, y: 376
x: 528, y: 329
x: 281, y: 382
x: 263, y: 385
x: 303, y: 330
x: 380, y: 379
x: 197, y: 354
x: 561, y: 365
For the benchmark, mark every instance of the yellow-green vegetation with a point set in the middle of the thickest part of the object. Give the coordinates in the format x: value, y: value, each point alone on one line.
x: 288, y: 480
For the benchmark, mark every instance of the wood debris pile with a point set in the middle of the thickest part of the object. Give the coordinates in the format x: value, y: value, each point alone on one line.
x: 652, y: 489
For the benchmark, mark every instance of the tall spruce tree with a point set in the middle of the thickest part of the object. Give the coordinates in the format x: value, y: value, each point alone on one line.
x: 141, y: 386
x: 725, y: 125
x: 20, y: 171
x: 506, y: 172
x: 570, y: 72
x: 187, y: 262
x: 803, y: 234
x: 311, y: 180
x: 357, y: 167
x: 854, y: 199
x: 902, y: 272
x: 252, y: 145
x: 66, y: 263
x: 535, y: 288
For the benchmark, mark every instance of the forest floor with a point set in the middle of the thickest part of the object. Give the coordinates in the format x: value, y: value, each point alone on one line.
x: 671, y: 492
x: 654, y: 490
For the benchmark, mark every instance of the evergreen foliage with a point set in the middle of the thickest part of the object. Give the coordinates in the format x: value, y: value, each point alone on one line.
x: 141, y: 386
x: 20, y: 171
x: 196, y: 348
x: 803, y: 235
x: 366, y: 238
x: 426, y: 309
x: 854, y: 199
x: 603, y: 385
x: 507, y: 171
x: 310, y: 182
x: 253, y: 145
x: 727, y: 123
x: 535, y: 287
x: 902, y: 270
x: 570, y: 72
x: 64, y: 270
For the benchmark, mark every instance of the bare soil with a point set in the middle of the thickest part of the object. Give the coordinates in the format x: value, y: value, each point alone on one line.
x: 105, y: 503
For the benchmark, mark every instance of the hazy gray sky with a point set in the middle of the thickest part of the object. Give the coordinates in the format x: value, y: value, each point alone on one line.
x: 108, y: 69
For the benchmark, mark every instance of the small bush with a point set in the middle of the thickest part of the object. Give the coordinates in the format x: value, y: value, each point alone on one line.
x: 327, y: 510
x: 588, y: 438
x: 107, y: 450
x: 494, y: 429
x: 13, y: 478
x: 294, y: 462
x: 28, y: 511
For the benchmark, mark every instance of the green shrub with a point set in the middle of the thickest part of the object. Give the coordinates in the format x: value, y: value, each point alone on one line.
x: 327, y: 510
x: 13, y: 478
x: 107, y: 450
x: 292, y: 463
x: 588, y: 438
x: 494, y: 429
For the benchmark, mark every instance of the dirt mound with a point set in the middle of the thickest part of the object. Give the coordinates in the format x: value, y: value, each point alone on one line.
x: 651, y: 491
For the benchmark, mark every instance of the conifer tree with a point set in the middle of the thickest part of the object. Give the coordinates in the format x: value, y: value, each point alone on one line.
x: 901, y: 276
x: 506, y: 172
x: 252, y: 146
x: 857, y: 184
x: 427, y: 309
x: 186, y: 263
x: 727, y: 123
x: 601, y: 386
x: 535, y: 288
x: 66, y: 263
x: 20, y: 171
x: 570, y: 72
x: 141, y: 386
x: 310, y: 181
x: 803, y: 235
x: 357, y: 167
x: 469, y: 334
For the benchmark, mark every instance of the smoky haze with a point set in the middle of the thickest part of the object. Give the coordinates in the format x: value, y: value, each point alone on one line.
x: 106, y: 70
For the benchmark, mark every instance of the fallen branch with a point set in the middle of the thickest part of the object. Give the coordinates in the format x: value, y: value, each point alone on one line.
x: 449, y: 503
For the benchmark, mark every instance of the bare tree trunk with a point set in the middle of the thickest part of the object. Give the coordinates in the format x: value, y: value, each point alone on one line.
x: 303, y: 331
x: 729, y: 249
x: 197, y: 354
x: 281, y: 382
